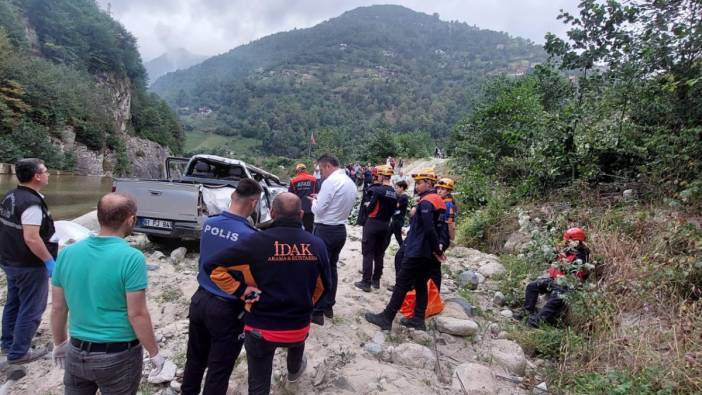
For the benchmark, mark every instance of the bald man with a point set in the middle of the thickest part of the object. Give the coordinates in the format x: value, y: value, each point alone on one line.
x: 102, y: 282
x: 284, y: 270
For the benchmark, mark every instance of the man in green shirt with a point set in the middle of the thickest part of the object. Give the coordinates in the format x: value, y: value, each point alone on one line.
x: 102, y: 281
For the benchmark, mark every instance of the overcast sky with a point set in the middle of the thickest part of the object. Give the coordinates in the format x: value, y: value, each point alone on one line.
x: 210, y: 27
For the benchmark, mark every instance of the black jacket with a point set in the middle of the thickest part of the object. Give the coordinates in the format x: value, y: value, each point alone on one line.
x: 13, y: 249
x: 289, y: 265
x: 423, y: 239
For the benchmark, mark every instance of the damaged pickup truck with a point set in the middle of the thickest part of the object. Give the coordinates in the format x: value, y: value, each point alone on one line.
x: 176, y: 207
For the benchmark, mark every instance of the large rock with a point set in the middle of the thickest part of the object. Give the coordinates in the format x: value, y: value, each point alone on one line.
x: 460, y: 303
x: 178, y: 254
x: 454, y: 310
x: 414, y: 356
x: 517, y: 241
x: 491, y: 269
x: 474, y: 379
x: 456, y: 327
x: 468, y: 279
x: 509, y: 355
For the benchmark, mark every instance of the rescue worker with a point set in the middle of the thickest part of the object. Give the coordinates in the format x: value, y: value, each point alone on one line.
x: 398, y: 217
x: 303, y: 185
x: 572, y: 267
x: 27, y: 255
x: 380, y: 207
x: 444, y: 188
x: 281, y: 273
x: 365, y: 197
x: 421, y: 248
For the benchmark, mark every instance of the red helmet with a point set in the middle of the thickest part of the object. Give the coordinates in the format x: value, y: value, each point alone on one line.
x: 574, y: 234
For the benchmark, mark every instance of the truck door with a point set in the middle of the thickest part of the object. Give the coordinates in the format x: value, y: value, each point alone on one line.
x: 175, y: 167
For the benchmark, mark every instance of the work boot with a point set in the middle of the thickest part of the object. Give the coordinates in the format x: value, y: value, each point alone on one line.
x: 329, y: 313
x: 380, y: 320
x: 293, y: 377
x: 30, y: 356
x: 375, y: 284
x: 521, y: 313
x: 318, y: 319
x: 363, y: 286
x: 414, y: 322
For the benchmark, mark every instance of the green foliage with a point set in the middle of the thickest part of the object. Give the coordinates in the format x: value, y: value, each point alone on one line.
x: 485, y: 228
x: 373, y: 69
x: 621, y: 382
x: 546, y: 341
x: 64, y: 91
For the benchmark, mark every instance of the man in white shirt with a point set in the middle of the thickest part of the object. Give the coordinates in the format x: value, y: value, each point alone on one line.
x: 331, y: 208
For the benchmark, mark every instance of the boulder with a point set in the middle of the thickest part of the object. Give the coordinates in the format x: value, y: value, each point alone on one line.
x: 460, y: 303
x: 373, y: 348
x: 138, y: 241
x: 498, y: 299
x: 517, y: 241
x: 456, y: 327
x: 507, y: 313
x: 468, y: 279
x: 475, y: 258
x: 89, y: 221
x: 473, y: 379
x: 414, y: 356
x: 421, y: 337
x: 454, y: 310
x: 491, y: 269
x: 509, y: 355
x: 178, y: 254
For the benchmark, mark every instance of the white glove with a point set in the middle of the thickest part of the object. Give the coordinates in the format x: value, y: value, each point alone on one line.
x: 157, y: 361
x: 58, y: 355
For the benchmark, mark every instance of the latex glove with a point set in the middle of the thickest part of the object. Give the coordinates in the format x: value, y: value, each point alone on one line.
x: 50, y: 264
x: 58, y: 355
x: 157, y: 360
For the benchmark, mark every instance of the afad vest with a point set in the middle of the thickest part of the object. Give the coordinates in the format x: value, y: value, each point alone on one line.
x: 13, y: 249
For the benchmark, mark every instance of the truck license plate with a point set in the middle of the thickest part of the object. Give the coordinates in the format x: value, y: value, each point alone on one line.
x: 156, y: 223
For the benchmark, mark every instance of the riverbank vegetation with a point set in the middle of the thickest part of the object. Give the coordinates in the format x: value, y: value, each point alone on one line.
x: 64, y: 68
x: 618, y: 107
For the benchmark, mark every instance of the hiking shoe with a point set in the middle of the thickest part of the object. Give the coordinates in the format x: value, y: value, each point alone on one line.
x: 293, y: 377
x: 365, y: 287
x: 30, y: 356
x: 414, y: 322
x: 375, y: 284
x: 329, y: 313
x: 318, y: 319
x: 380, y: 320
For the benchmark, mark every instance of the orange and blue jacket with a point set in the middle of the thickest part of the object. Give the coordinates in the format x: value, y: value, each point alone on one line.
x: 451, y: 210
x: 289, y: 265
x: 382, y: 202
x: 423, y: 239
x: 303, y: 185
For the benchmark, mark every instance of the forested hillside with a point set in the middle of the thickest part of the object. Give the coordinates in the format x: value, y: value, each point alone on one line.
x: 65, y: 65
x: 370, y: 69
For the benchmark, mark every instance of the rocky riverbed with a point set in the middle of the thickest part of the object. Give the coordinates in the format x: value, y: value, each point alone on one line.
x: 465, y: 350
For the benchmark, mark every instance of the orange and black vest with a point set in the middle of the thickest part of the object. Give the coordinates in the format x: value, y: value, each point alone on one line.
x: 423, y: 239
x: 382, y: 202
x: 303, y: 185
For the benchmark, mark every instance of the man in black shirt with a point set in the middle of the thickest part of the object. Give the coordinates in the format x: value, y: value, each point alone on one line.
x: 380, y: 208
x: 398, y: 217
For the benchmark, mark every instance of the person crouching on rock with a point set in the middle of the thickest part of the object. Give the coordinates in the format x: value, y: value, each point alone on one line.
x: 280, y: 273
x: 570, y: 269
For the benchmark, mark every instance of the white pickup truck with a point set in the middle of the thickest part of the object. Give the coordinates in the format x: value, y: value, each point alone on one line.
x: 177, y: 206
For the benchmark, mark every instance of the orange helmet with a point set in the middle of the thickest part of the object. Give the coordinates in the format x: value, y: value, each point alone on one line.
x: 425, y: 174
x: 300, y: 166
x: 445, y: 183
x: 574, y: 234
x: 384, y: 170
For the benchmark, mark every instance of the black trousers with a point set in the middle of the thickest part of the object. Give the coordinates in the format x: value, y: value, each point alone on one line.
x: 214, y: 343
x: 259, y: 357
x: 554, y: 305
x: 373, y: 246
x: 396, y: 230
x: 308, y: 221
x: 334, y: 237
x: 414, y: 273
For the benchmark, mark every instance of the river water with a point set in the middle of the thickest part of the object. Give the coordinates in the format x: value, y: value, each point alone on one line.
x: 68, y: 196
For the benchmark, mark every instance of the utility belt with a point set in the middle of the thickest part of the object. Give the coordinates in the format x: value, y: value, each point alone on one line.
x: 108, y: 348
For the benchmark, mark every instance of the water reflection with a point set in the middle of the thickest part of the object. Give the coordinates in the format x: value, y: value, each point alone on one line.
x: 68, y: 196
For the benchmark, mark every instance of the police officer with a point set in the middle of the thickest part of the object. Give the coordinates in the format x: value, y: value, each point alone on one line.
x: 27, y: 256
x: 303, y: 185
x: 421, y: 249
x: 380, y: 207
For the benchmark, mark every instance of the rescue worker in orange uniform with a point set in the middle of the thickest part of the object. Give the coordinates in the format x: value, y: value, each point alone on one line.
x: 304, y: 184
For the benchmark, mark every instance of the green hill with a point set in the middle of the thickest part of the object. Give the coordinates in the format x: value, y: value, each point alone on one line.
x: 372, y: 68
x: 65, y: 65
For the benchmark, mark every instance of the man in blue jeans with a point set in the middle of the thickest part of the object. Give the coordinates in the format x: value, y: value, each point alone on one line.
x: 102, y: 282
x: 331, y: 208
x: 27, y: 257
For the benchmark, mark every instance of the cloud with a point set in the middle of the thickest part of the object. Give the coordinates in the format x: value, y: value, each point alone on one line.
x: 210, y: 27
